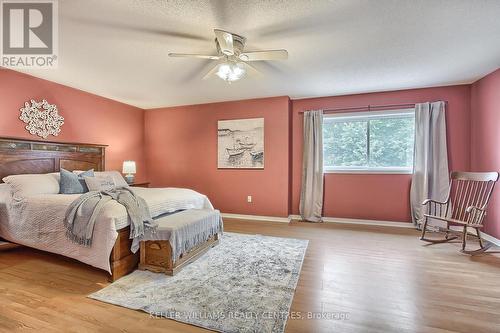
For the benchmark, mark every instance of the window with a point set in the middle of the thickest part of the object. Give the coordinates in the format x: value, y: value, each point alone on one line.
x: 369, y: 142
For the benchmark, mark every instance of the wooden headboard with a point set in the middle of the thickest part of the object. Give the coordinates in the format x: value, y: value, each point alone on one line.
x: 19, y: 156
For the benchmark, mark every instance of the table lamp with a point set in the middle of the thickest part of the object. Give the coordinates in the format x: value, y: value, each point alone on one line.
x: 129, y: 169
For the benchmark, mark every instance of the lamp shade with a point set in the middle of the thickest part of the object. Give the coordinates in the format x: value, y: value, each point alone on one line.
x: 129, y: 167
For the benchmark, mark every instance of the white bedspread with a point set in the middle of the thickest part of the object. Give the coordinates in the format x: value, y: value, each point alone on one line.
x: 37, y: 221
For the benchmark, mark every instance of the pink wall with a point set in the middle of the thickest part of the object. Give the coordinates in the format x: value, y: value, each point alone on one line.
x: 181, y: 148
x: 381, y: 197
x: 485, y: 139
x: 88, y: 118
x: 181, y: 151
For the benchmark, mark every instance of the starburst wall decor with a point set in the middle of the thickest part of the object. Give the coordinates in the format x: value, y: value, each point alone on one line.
x: 42, y: 118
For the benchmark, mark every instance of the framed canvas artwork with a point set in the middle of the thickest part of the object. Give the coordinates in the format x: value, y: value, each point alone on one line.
x: 240, y: 143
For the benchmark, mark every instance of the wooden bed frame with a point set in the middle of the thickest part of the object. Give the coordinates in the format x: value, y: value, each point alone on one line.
x: 20, y: 156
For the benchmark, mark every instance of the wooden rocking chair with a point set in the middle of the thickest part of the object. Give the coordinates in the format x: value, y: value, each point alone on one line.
x: 466, y: 205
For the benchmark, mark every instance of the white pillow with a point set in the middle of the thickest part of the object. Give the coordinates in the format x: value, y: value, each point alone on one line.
x: 116, y: 175
x: 32, y: 184
x: 57, y: 175
x: 100, y: 183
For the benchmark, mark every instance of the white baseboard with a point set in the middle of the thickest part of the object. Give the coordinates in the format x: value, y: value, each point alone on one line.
x: 484, y: 236
x: 490, y: 239
x: 369, y: 222
x: 256, y: 217
x: 359, y: 221
x: 325, y: 219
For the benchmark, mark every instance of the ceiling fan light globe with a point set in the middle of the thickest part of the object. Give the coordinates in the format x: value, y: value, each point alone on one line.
x: 231, y: 71
x: 224, y: 69
x: 238, y: 70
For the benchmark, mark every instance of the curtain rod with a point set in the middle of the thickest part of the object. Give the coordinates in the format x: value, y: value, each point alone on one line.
x: 370, y: 107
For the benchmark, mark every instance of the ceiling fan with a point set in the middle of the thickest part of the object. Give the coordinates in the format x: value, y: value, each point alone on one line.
x: 233, y: 61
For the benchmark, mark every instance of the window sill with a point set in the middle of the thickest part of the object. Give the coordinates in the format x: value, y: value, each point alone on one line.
x: 371, y: 172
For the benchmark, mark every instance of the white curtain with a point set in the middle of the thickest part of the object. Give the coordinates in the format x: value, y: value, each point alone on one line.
x: 430, y: 165
x: 311, y: 194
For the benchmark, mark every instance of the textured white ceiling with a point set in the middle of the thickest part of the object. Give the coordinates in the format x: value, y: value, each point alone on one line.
x: 118, y: 48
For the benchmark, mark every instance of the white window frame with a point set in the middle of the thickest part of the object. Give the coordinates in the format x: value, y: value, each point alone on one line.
x: 368, y: 116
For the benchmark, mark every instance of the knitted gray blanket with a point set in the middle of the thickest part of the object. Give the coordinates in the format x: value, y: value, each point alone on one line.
x: 82, y: 213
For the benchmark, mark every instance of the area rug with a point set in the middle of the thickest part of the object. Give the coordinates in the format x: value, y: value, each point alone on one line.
x: 244, y: 284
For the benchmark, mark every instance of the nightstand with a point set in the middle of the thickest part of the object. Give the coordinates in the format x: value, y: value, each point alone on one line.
x: 141, y: 184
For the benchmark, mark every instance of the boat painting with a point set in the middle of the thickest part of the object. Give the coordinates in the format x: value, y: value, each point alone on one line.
x: 223, y: 131
x: 234, y: 152
x: 241, y: 144
x: 246, y: 144
x: 257, y: 155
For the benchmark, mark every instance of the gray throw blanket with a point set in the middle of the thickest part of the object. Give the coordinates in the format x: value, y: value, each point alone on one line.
x: 83, y: 212
x: 184, y: 230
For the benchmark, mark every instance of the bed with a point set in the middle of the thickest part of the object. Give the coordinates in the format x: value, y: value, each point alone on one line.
x: 38, y: 222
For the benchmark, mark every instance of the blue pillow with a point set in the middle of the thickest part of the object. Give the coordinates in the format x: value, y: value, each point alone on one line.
x: 72, y: 183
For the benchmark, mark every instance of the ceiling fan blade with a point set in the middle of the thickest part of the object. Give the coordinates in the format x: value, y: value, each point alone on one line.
x: 211, y: 72
x: 194, y: 71
x: 264, y: 55
x: 225, y: 40
x: 188, y: 55
x: 268, y: 66
x: 251, y: 71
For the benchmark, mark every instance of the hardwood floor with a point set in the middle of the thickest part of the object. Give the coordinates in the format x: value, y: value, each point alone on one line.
x: 384, y: 279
